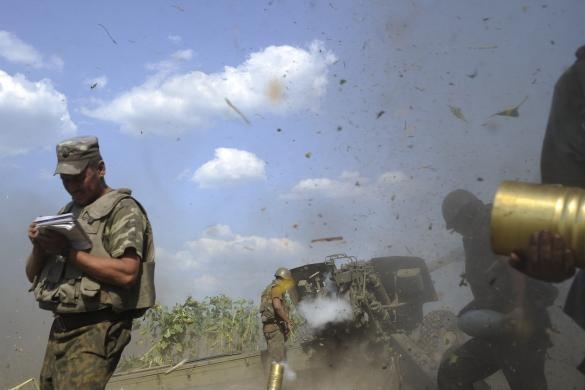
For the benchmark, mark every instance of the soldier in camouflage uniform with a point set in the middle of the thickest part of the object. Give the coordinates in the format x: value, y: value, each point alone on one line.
x: 94, y: 294
x: 276, y: 323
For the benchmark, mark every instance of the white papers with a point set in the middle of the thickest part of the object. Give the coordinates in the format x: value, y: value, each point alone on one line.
x: 67, y: 225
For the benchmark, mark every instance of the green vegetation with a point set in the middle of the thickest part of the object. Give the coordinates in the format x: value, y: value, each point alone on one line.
x: 197, y: 329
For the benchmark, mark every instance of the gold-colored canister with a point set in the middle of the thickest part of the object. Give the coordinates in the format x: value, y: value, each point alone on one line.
x: 275, y: 378
x: 521, y: 209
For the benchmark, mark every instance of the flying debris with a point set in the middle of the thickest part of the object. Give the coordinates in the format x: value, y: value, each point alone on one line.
x: 456, y: 111
x: 327, y: 239
x: 31, y: 381
x: 308, y: 155
x: 380, y: 114
x: 93, y: 86
x: 512, y: 111
x: 107, y: 32
x: 237, y: 111
x: 462, y: 281
x: 173, y: 368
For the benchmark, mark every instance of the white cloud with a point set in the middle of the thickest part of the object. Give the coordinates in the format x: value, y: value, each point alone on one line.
x: 229, y: 166
x: 221, y: 261
x: 98, y: 82
x: 14, y: 50
x: 169, y: 65
x: 391, y: 177
x: 32, y: 114
x: 176, y: 39
x: 219, y: 241
x: 276, y: 80
x: 349, y: 185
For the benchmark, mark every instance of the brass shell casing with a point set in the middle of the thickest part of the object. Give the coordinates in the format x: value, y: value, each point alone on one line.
x: 275, y: 377
x: 521, y: 209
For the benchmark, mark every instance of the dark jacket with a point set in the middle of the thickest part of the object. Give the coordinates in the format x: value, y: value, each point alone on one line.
x: 563, y: 150
x: 563, y: 154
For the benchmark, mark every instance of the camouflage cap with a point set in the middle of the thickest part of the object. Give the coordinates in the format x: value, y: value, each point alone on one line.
x: 74, y: 154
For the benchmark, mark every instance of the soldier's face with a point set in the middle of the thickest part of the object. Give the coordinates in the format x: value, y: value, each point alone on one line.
x: 463, y: 223
x: 85, y: 187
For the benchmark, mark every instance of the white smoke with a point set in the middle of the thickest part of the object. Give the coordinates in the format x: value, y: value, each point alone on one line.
x: 325, y: 310
x: 289, y: 374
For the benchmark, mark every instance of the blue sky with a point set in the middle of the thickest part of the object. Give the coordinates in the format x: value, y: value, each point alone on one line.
x: 350, y: 131
x: 360, y: 91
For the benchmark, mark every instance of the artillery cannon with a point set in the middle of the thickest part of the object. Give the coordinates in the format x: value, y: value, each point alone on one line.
x: 380, y: 323
x: 386, y: 294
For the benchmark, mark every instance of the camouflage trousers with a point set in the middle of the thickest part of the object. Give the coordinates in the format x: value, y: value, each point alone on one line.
x: 86, y: 357
x: 275, y: 340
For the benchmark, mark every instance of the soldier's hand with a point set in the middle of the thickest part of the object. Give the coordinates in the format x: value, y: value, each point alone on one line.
x: 290, y: 325
x: 51, y: 242
x: 33, y: 233
x: 548, y: 258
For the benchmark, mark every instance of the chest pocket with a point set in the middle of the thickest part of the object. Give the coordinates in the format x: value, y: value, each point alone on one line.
x: 94, y: 224
x: 46, y: 289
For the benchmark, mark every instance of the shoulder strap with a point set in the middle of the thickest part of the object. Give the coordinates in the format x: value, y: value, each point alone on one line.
x: 66, y: 209
x: 104, y: 206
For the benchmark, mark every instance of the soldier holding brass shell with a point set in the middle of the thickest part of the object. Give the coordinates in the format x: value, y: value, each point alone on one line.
x: 548, y: 256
